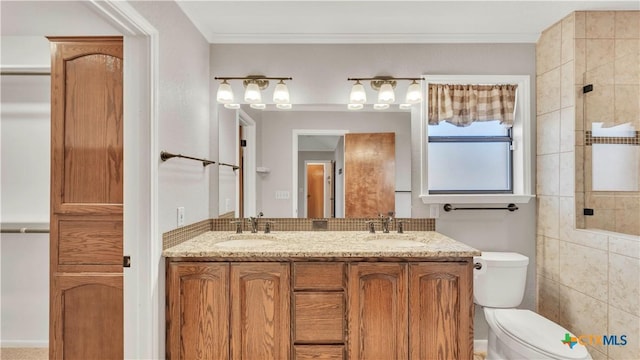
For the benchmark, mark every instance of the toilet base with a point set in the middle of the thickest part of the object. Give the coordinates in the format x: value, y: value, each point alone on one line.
x: 505, y: 348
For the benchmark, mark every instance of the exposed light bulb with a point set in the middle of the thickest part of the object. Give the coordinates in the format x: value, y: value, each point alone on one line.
x: 355, y: 106
x: 386, y: 94
x: 258, y: 106
x: 252, y: 94
x: 224, y: 94
x: 232, y: 106
x: 414, y: 93
x: 358, y: 94
x: 380, y: 106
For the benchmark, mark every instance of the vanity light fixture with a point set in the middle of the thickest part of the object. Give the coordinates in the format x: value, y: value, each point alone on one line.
x: 380, y: 106
x: 281, y: 94
x: 224, y: 94
x: 252, y: 93
x: 385, y: 86
x: 258, y: 106
x: 414, y: 93
x: 355, y: 106
x: 385, y: 92
x: 405, y: 106
x: 253, y: 84
x: 358, y: 95
x: 284, y: 106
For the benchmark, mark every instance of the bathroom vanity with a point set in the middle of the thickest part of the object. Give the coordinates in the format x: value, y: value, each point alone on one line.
x: 320, y: 295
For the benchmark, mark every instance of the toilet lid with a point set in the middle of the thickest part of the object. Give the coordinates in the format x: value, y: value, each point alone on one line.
x: 535, y: 331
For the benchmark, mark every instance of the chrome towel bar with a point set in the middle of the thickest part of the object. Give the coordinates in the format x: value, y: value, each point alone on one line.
x: 510, y: 207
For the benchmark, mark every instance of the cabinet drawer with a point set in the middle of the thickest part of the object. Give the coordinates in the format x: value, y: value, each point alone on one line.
x: 319, y: 317
x: 318, y: 352
x: 318, y: 276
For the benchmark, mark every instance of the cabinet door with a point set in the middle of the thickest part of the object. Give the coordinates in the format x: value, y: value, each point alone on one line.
x: 198, y: 311
x: 260, y: 311
x: 378, y: 311
x: 440, y: 311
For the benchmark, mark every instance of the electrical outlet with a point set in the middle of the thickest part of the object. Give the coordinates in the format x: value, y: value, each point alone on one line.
x: 181, y: 216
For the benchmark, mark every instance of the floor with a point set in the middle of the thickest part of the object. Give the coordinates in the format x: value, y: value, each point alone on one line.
x: 24, y: 353
x: 479, y: 355
x: 43, y: 354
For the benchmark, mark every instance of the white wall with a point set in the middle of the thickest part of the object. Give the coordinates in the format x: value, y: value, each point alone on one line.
x: 183, y: 127
x: 183, y: 113
x: 25, y: 290
x: 25, y: 129
x: 320, y: 75
x: 227, y: 178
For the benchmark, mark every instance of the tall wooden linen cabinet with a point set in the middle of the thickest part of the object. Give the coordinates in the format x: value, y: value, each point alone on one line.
x: 86, y: 241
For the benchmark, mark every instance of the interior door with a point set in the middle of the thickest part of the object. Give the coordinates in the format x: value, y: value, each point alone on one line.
x: 315, y: 191
x: 369, y: 174
x: 86, y: 240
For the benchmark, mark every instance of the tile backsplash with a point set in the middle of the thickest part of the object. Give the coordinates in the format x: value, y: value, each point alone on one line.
x: 178, y: 236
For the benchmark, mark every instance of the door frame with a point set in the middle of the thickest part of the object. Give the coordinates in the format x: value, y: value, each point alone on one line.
x: 143, y: 291
x: 294, y: 161
x: 249, y: 172
x: 325, y: 194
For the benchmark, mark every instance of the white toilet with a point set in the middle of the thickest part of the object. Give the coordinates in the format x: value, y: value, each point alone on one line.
x: 498, y: 286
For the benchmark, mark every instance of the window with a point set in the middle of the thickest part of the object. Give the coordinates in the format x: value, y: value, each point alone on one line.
x: 468, y: 161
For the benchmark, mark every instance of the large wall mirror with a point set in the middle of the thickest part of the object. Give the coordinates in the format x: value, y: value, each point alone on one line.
x: 316, y: 161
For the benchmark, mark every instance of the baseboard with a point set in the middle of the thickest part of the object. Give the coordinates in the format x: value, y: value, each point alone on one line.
x: 480, y: 345
x: 24, y: 343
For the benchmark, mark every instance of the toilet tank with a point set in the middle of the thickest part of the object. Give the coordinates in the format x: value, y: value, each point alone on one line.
x: 501, y: 280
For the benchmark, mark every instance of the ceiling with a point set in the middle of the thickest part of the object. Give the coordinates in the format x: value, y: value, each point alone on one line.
x: 318, y: 142
x: 359, y: 21
x: 51, y: 18
x: 316, y: 22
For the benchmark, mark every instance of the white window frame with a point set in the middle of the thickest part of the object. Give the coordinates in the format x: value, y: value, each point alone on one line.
x: 522, y: 137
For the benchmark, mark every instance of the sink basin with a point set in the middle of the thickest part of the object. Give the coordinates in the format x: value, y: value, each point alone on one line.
x: 396, y: 240
x: 240, y: 240
x: 396, y: 243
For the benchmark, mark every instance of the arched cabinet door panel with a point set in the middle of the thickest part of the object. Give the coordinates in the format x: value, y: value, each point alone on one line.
x: 86, y: 239
x: 440, y: 310
x: 86, y: 317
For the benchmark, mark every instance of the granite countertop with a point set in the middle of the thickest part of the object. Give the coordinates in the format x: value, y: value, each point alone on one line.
x: 314, y: 244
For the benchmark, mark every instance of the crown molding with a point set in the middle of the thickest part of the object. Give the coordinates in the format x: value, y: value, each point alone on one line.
x: 386, y: 38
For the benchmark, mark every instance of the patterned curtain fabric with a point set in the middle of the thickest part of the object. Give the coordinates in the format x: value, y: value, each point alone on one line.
x: 461, y: 105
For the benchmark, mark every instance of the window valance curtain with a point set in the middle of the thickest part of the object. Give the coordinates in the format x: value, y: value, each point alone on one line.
x: 461, y: 105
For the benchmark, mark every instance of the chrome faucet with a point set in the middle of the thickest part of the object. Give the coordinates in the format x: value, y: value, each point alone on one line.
x: 254, y: 222
x: 386, y: 221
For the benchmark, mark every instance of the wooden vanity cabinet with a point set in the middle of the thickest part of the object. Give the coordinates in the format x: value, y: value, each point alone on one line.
x: 198, y: 310
x: 320, y: 310
x: 415, y: 310
x: 260, y: 314
x: 228, y: 311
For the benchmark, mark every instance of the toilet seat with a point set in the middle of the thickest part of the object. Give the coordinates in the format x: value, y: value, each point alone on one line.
x: 526, y: 329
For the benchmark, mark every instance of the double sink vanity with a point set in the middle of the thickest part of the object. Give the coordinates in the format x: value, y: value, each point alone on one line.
x: 320, y: 295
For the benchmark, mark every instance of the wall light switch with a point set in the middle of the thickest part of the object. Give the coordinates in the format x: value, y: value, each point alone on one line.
x: 181, y: 216
x: 282, y: 195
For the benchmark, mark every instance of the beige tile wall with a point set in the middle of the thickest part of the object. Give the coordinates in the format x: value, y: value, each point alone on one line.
x: 588, y: 281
